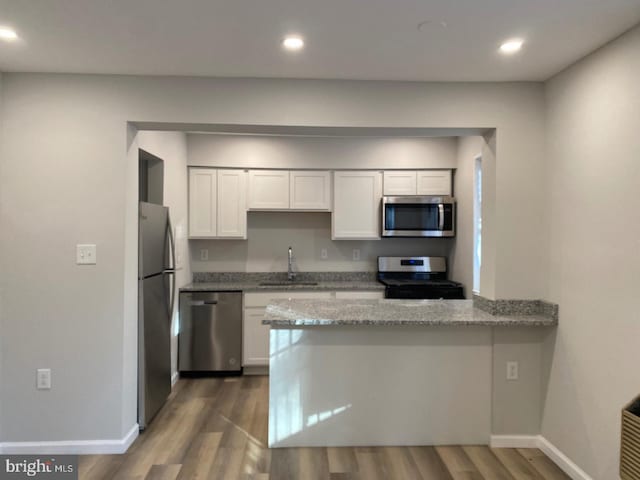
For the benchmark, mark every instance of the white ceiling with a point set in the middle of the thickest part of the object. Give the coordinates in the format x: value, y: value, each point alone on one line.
x: 347, y: 39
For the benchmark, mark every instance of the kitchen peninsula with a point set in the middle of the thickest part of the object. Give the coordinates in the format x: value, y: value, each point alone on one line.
x: 405, y: 372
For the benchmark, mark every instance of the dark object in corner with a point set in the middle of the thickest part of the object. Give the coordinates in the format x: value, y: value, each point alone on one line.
x: 630, y: 441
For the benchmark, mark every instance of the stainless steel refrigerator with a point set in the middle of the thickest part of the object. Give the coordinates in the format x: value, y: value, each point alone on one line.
x: 156, y: 296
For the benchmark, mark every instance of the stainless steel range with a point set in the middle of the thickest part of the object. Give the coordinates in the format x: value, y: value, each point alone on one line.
x: 417, y: 278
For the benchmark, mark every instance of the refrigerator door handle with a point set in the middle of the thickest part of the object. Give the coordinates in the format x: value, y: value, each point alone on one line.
x: 172, y: 246
x: 172, y: 269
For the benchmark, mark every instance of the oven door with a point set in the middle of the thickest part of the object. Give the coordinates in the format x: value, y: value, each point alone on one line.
x: 423, y: 216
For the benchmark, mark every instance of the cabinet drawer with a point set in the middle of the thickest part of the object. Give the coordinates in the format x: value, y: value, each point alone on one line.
x: 261, y: 299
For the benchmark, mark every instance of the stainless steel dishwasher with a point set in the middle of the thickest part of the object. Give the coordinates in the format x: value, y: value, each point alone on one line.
x: 210, y: 338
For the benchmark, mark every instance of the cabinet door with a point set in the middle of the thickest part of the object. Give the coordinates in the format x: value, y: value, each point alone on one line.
x: 310, y: 190
x: 400, y: 183
x: 232, y: 204
x: 202, y: 202
x: 356, y: 205
x: 434, y: 182
x: 268, y: 190
x: 255, y: 349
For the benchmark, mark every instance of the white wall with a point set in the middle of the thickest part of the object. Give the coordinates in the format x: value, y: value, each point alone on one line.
x: 1, y: 262
x: 593, y: 115
x: 462, y: 252
x: 252, y: 151
x: 67, y: 179
x: 172, y: 148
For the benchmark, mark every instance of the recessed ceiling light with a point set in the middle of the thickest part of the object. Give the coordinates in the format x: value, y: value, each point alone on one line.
x: 7, y: 33
x: 293, y: 43
x: 511, y: 46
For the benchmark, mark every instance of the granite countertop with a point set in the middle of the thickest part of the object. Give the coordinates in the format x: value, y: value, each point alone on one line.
x: 250, y: 286
x: 252, y: 282
x: 281, y: 313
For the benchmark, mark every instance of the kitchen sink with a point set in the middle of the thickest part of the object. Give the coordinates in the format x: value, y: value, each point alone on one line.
x: 286, y: 283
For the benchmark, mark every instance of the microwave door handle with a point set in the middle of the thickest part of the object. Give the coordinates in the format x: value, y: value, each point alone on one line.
x: 441, y: 217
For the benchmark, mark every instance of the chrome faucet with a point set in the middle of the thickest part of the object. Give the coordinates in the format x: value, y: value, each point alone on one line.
x: 290, y: 274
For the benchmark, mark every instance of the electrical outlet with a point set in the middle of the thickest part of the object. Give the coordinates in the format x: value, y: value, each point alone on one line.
x: 323, y: 254
x: 512, y: 370
x: 43, y: 379
x: 204, y: 254
x: 356, y: 254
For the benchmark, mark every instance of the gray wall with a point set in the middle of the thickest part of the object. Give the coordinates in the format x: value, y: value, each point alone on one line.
x: 462, y: 251
x: 68, y: 178
x: 270, y: 233
x: 593, y: 126
x: 252, y: 151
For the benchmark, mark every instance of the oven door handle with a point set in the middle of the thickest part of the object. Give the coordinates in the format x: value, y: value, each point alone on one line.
x: 441, y: 216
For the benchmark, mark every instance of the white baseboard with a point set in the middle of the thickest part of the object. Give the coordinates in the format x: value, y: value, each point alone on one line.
x: 174, y: 378
x: 548, y: 448
x: 560, y: 459
x: 72, y: 447
x: 514, y: 441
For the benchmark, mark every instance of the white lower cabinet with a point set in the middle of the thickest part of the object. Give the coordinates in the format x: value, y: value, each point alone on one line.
x: 255, y: 344
x: 255, y: 348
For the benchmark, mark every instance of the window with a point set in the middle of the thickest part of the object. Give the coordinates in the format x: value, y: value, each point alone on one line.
x: 477, y: 223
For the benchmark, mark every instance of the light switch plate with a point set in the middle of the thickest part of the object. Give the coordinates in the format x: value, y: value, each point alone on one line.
x: 86, y: 254
x: 512, y: 370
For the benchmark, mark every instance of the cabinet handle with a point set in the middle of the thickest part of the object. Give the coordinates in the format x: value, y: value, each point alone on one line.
x: 202, y: 303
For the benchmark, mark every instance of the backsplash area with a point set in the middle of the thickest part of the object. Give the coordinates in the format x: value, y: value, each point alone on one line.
x: 271, y: 233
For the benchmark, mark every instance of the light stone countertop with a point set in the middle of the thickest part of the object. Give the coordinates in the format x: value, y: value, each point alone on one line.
x: 255, y: 286
x: 253, y: 281
x: 315, y: 312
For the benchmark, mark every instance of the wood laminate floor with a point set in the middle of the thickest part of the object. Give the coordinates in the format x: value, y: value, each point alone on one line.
x: 216, y: 428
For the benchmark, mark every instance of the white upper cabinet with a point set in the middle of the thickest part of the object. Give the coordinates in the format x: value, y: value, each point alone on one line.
x: 202, y: 202
x: 434, y: 182
x: 268, y: 190
x: 420, y: 182
x: 356, y: 205
x: 402, y: 182
x: 232, y: 204
x: 217, y: 203
x: 310, y: 190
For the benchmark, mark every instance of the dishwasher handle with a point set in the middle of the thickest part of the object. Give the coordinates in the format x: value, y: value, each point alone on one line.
x: 201, y: 303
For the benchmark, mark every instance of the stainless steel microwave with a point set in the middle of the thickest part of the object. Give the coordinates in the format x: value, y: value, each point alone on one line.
x: 418, y: 216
